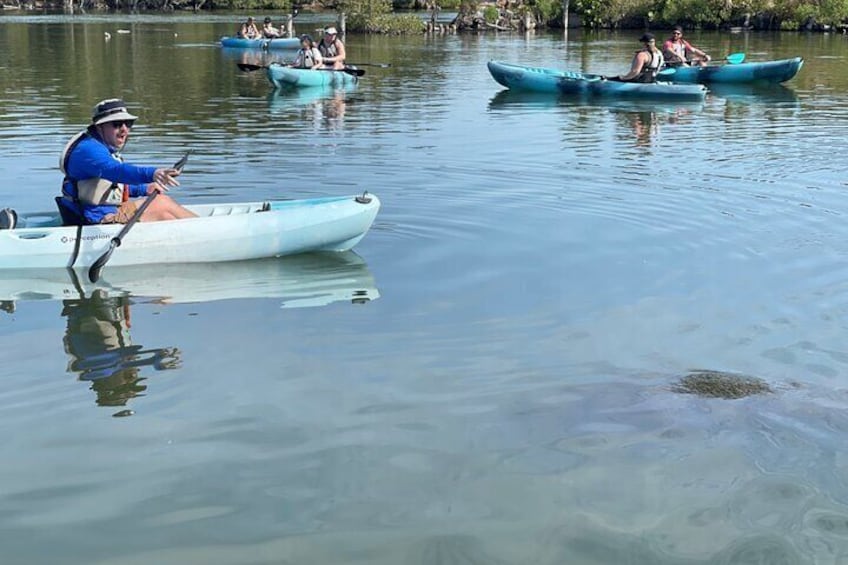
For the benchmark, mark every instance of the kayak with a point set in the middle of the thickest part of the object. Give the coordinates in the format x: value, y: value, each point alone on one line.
x: 763, y: 72
x: 306, y: 280
x: 553, y: 81
x: 279, y: 43
x: 282, y: 76
x: 221, y: 232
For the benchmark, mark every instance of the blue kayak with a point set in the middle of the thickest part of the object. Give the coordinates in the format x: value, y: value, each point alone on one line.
x: 282, y: 76
x: 279, y: 43
x: 742, y: 73
x: 553, y: 81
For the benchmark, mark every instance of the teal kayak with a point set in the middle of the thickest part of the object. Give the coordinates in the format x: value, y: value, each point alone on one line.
x: 282, y: 76
x: 553, y: 81
x: 279, y: 43
x: 742, y: 73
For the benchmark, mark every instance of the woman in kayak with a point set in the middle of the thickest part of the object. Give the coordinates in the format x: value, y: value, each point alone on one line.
x: 98, y: 185
x: 248, y: 29
x: 677, y: 51
x: 646, y: 63
x: 308, y: 56
x: 332, y: 49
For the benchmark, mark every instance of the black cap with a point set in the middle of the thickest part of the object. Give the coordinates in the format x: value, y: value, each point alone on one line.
x: 267, y: 20
x: 647, y: 37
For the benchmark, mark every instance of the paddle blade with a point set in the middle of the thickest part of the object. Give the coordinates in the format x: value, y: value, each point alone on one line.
x: 354, y: 72
x: 97, y: 267
x: 179, y: 165
x: 248, y: 68
x: 735, y: 58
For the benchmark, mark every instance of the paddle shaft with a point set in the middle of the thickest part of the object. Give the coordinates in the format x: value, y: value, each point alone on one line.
x: 97, y: 266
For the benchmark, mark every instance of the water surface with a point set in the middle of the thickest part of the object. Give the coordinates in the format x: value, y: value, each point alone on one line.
x: 489, y: 378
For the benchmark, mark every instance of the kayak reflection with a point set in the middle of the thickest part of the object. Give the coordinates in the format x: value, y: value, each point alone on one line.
x: 97, y: 340
x: 304, y: 280
x: 512, y: 99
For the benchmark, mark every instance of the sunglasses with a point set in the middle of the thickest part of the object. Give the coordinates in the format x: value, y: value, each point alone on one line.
x: 118, y: 123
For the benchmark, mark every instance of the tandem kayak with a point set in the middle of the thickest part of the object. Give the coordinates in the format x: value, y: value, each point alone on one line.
x: 742, y: 73
x: 279, y: 43
x: 221, y: 232
x: 282, y: 76
x: 306, y: 280
x: 553, y: 81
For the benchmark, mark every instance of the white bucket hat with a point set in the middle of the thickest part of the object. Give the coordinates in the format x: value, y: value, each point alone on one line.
x: 331, y: 31
x: 111, y: 110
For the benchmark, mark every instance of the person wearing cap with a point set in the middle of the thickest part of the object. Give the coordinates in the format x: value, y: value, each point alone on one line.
x: 646, y: 63
x: 268, y: 29
x: 98, y: 185
x: 308, y: 56
x: 332, y: 49
x: 248, y: 29
x: 677, y: 51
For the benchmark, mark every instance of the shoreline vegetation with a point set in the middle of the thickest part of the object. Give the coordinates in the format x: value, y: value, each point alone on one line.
x: 394, y: 17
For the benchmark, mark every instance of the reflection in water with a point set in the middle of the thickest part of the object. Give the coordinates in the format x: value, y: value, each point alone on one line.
x: 307, y: 280
x: 754, y: 93
x: 325, y: 106
x: 98, y: 342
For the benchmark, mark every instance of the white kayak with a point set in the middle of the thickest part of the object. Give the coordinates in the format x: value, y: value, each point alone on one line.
x: 222, y: 232
x: 306, y: 280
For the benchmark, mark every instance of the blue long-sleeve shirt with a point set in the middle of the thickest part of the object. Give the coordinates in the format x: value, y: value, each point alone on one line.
x: 93, y: 158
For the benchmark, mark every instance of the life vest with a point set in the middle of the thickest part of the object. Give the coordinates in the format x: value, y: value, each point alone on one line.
x: 328, y: 50
x: 306, y: 58
x: 93, y: 191
x: 649, y: 71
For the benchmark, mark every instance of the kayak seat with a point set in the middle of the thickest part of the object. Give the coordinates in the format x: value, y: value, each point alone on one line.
x: 8, y: 219
x: 70, y: 217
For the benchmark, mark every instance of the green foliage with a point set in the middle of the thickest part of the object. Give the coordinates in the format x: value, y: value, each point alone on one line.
x: 375, y: 16
x: 546, y: 10
x: 491, y: 14
x: 612, y: 13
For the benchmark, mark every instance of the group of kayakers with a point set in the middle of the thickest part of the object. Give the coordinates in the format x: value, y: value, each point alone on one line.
x: 99, y: 187
x: 648, y: 61
x: 249, y: 29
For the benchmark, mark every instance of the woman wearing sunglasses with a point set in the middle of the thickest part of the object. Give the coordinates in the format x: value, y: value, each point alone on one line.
x: 99, y: 187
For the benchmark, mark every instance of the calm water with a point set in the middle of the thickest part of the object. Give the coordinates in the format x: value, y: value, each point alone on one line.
x: 488, y: 379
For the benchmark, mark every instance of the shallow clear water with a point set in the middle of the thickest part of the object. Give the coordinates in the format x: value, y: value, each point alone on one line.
x: 489, y: 378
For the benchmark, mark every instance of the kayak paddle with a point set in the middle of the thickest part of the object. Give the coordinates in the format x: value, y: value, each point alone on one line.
x: 97, y: 266
x: 735, y: 58
x: 248, y: 68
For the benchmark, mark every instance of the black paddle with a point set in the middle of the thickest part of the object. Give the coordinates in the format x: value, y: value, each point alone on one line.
x: 248, y: 68
x: 97, y: 266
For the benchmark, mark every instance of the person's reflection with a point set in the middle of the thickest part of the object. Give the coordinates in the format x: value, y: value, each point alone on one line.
x: 645, y: 126
x: 101, y: 351
x: 330, y: 111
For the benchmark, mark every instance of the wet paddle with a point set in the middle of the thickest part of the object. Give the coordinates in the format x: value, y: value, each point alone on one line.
x: 735, y: 58
x: 248, y: 68
x: 97, y: 266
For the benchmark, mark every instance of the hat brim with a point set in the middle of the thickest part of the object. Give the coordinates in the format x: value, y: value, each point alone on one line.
x: 118, y: 116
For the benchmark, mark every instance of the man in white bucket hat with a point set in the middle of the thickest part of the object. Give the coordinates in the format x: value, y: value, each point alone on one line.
x: 332, y: 49
x: 99, y: 187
